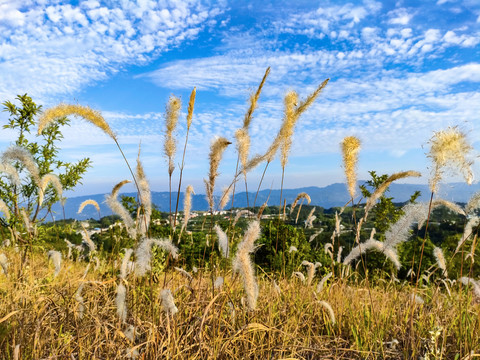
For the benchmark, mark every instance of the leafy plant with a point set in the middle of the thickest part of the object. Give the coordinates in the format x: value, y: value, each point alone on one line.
x: 46, y: 157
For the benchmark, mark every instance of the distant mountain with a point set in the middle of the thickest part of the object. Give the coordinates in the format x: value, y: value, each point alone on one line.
x: 326, y: 197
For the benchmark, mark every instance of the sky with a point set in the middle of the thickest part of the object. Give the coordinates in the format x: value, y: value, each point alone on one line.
x: 398, y: 70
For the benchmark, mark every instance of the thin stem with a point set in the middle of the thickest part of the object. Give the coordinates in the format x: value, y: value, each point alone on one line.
x: 180, y: 180
x: 260, y: 184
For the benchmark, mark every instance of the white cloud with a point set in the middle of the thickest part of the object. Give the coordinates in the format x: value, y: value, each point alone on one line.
x: 399, y: 16
x: 61, y: 48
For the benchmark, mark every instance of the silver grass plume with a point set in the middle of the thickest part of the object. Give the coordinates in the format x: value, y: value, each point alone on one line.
x: 80, y: 300
x: 449, y: 205
x: 417, y: 299
x: 4, y: 209
x: 383, y: 187
x: 242, y: 135
x: 372, y: 244
x: 87, y: 241
x: 187, y: 206
x: 119, y: 209
x: 143, y: 254
x: 322, y: 282
x: 11, y: 173
x: 222, y: 241
x: 171, y: 120
x: 449, y: 148
x: 120, y: 301
x: 328, y: 307
x: 350, y: 149
x: 49, y: 179
x: 70, y: 247
x: 243, y: 264
x: 438, y: 253
x: 88, y: 202
x: 302, y: 195
x: 339, y: 254
x: 4, y: 263
x: 473, y: 203
x: 468, y: 231
x: 277, y: 288
x: 328, y: 247
x: 218, y: 282
x: 168, y: 302
x: 475, y: 283
x: 131, y: 353
x: 26, y: 220
x: 62, y: 110
x: 217, y: 148
x: 239, y: 214
x: 299, y: 275
x: 311, y: 267
x: 125, y: 263
x: 310, y: 219
x: 293, y: 111
x: 313, y: 236
x: 20, y: 154
x: 184, y: 273
x: 225, y: 198
x: 56, y: 258
x: 145, y: 198
x: 400, y: 231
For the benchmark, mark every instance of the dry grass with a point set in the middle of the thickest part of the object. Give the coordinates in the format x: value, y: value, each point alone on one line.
x: 39, y: 313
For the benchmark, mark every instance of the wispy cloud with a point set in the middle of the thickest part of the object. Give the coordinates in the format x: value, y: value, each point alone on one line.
x: 58, y: 49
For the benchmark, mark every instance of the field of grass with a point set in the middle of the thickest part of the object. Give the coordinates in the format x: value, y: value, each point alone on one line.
x: 263, y: 290
x: 40, y: 317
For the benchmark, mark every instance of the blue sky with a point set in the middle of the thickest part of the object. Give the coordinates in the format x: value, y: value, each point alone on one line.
x: 399, y: 70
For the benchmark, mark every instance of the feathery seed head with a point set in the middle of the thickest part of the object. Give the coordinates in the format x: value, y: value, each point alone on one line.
x: 222, y: 241
x: 171, y: 120
x: 120, y: 301
x: 168, y: 302
x: 191, y: 104
x: 217, y: 148
x: 187, y: 205
x: 442, y: 264
x: 449, y: 148
x: 88, y: 202
x: 242, y: 263
x: 56, y: 258
x: 84, y: 112
x: 23, y: 156
x: 4, y: 263
x: 350, y: 150
x: 44, y: 181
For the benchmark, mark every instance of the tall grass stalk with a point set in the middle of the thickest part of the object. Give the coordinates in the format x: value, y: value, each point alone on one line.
x: 191, y: 105
x: 171, y: 119
x: 88, y: 114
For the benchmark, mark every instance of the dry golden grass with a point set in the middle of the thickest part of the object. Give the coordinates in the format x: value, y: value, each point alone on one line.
x: 39, y: 313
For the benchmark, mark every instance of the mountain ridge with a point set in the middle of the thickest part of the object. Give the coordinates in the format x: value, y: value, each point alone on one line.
x: 332, y: 195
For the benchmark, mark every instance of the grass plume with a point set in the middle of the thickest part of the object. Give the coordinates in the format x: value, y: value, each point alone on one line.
x: 350, y: 150
x: 85, y: 112
x: 449, y: 148
x: 119, y: 209
x: 88, y: 202
x: 217, y: 148
x: 243, y: 264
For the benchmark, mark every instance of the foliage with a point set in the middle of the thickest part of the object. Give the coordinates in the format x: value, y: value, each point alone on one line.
x: 385, y: 212
x: 46, y: 156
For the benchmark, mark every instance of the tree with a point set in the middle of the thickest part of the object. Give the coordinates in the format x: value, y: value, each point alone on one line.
x: 45, y: 154
x: 385, y: 213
